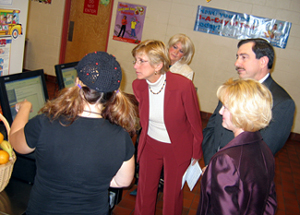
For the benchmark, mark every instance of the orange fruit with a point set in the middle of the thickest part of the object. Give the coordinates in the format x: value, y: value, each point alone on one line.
x: 1, y: 137
x: 4, y: 157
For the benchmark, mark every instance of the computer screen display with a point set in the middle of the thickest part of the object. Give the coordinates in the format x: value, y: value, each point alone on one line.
x: 66, y: 74
x: 15, y: 88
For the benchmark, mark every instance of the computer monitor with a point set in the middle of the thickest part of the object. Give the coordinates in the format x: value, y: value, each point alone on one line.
x: 15, y: 88
x: 66, y: 74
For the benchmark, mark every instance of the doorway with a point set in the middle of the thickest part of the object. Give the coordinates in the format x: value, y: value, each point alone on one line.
x: 84, y: 33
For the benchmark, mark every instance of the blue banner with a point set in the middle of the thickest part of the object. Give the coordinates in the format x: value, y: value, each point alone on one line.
x: 242, y: 26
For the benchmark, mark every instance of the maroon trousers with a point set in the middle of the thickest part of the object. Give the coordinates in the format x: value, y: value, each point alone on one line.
x: 155, y: 156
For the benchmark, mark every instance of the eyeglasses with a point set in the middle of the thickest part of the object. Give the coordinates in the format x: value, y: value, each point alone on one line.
x: 139, y: 61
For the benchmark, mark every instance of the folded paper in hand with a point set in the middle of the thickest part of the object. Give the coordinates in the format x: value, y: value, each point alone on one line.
x: 191, y: 175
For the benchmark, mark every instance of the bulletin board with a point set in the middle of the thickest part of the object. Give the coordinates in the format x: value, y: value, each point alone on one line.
x: 13, y: 18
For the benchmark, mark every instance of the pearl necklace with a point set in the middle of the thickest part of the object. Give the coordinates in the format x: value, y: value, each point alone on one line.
x: 160, y: 88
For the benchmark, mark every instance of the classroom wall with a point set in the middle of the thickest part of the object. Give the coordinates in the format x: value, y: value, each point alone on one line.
x: 214, y: 59
x: 44, y: 31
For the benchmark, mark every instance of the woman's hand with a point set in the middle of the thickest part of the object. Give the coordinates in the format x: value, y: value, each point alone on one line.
x: 203, y: 169
x: 23, y: 104
x: 195, y: 161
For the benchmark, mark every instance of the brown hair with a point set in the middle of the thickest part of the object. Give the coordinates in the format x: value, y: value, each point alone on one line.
x: 118, y: 108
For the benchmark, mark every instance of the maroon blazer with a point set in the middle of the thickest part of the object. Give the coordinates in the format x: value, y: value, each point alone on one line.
x: 181, y: 116
x: 239, y: 179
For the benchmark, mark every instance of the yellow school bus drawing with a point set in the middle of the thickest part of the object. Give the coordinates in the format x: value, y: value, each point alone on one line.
x: 9, y: 23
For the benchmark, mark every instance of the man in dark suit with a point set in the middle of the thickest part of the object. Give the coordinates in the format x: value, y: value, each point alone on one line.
x: 254, y: 60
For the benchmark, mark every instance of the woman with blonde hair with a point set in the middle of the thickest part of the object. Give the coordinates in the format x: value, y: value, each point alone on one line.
x: 181, y: 50
x: 171, y: 132
x: 239, y: 178
x: 81, y: 141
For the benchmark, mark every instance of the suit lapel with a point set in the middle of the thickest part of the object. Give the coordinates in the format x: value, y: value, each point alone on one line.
x: 146, y: 106
x: 167, y: 92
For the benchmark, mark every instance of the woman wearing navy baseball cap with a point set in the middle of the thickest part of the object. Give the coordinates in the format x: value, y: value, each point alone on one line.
x: 81, y: 141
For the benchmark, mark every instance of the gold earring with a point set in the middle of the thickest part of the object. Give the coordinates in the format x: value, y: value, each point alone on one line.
x: 155, y: 72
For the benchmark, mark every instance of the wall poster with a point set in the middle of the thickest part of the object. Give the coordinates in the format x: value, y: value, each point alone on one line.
x: 13, y: 24
x: 4, y: 55
x: 242, y: 26
x: 129, y: 22
x: 10, y: 28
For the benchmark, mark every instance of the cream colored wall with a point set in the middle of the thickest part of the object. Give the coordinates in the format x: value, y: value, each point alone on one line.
x: 44, y: 35
x: 214, y: 59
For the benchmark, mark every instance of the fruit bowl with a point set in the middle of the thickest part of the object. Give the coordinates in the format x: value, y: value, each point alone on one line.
x: 6, y: 169
x: 5, y: 172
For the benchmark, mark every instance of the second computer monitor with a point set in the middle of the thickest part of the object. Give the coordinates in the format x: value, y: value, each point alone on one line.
x: 66, y: 74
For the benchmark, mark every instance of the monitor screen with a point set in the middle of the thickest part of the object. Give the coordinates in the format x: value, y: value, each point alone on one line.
x: 15, y: 88
x: 66, y: 74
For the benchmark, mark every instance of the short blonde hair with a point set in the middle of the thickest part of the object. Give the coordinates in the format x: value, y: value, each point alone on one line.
x: 249, y: 102
x: 156, y: 52
x: 188, y: 47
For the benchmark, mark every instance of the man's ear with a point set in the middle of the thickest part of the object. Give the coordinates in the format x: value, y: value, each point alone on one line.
x: 264, y: 61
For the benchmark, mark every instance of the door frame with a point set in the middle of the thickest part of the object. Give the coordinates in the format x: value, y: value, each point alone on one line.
x: 64, y: 34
